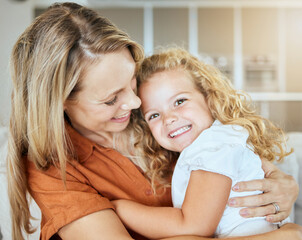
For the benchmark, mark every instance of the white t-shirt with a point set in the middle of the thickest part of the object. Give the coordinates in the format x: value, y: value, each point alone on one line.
x: 222, y: 149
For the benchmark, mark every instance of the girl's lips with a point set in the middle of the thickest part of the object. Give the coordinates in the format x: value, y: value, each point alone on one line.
x: 122, y: 118
x: 180, y: 131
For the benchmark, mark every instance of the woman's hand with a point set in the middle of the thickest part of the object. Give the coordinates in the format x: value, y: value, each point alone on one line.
x: 277, y: 187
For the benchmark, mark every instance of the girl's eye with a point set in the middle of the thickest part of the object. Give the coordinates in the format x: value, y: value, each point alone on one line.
x: 155, y: 115
x: 180, y: 101
x: 111, y: 102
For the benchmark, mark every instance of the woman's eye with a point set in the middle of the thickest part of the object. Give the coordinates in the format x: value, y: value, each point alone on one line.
x: 111, y: 102
x: 155, y: 115
x: 180, y: 101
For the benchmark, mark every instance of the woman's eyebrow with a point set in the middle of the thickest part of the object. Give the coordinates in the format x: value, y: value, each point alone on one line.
x: 95, y: 99
x: 116, y: 91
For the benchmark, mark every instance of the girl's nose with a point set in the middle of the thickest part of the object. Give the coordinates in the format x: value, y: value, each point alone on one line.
x: 132, y: 101
x: 169, y: 118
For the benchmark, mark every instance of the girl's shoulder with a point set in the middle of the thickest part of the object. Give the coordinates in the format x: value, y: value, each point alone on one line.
x: 220, y: 148
x: 220, y: 134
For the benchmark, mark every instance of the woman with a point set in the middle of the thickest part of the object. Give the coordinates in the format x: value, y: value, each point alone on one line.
x: 74, y: 89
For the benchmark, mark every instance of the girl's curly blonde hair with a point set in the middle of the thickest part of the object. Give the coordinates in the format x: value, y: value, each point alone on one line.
x: 226, y: 104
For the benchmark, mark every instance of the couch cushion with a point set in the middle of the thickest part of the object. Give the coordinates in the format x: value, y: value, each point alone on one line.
x: 295, y: 141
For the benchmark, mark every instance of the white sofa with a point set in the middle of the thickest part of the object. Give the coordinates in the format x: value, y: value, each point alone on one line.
x: 295, y: 141
x: 5, y: 220
x: 292, y: 166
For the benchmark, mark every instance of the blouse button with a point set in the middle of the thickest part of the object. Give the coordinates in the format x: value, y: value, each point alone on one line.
x: 148, y: 192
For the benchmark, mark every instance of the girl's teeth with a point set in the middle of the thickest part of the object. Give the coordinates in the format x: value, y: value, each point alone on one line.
x: 179, y: 131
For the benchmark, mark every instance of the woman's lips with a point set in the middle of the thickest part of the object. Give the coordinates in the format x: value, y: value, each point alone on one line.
x: 123, y: 118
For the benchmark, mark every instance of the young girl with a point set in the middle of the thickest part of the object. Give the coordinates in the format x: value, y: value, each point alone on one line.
x: 191, y: 108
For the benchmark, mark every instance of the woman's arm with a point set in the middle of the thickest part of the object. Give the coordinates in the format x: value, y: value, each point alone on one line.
x: 203, y: 206
x: 288, y: 231
x: 104, y: 224
x: 277, y: 187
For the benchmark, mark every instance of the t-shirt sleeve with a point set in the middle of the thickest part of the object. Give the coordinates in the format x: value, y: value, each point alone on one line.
x: 59, y: 204
x: 219, y: 158
x: 218, y: 149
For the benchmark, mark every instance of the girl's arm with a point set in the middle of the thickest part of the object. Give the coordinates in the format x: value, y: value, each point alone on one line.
x: 204, y: 204
x: 288, y: 231
x: 277, y: 187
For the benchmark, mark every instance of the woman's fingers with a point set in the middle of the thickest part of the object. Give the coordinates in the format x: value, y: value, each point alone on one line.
x: 274, y: 218
x: 268, y: 196
x: 282, y: 190
x: 250, y: 201
x: 268, y: 210
x: 254, y: 185
x: 278, y: 188
x: 256, y: 212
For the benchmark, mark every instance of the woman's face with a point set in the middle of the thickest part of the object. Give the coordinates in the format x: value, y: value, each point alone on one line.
x: 107, y: 96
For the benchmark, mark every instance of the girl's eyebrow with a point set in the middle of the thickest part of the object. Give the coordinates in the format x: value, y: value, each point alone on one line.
x: 172, y: 97
x: 179, y: 93
x: 148, y: 112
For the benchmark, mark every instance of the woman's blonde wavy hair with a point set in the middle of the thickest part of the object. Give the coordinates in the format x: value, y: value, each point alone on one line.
x: 226, y: 104
x: 47, y: 64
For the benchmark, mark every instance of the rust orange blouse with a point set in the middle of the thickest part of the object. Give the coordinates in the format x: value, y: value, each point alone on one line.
x: 99, y: 175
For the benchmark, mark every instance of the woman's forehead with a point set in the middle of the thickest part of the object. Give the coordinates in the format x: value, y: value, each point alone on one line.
x: 111, y: 72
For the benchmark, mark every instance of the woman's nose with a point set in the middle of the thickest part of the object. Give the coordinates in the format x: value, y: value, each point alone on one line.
x: 132, y: 101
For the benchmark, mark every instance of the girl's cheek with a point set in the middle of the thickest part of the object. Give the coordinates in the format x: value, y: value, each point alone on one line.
x: 153, y: 130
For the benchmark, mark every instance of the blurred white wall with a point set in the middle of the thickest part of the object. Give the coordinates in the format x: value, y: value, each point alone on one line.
x: 229, y: 28
x: 14, y: 18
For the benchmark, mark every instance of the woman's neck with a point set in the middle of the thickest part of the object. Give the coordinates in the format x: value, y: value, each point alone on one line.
x: 105, y: 139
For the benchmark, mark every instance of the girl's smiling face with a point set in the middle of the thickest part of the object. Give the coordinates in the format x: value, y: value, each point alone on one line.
x: 174, y: 109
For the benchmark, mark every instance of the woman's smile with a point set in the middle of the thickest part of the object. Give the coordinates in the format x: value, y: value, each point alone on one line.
x: 123, y: 118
